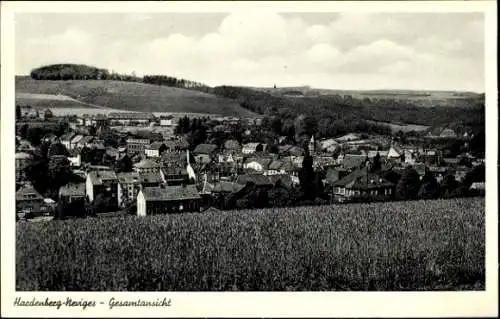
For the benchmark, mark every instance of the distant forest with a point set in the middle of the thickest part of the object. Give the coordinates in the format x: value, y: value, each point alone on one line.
x: 346, y: 111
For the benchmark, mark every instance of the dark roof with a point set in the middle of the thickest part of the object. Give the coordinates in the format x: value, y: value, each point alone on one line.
x: 205, y: 149
x: 227, y: 187
x: 97, y: 177
x: 150, y: 178
x: 257, y: 179
x: 128, y: 178
x: 353, y: 161
x: 362, y: 179
x: 27, y: 192
x: 111, y: 151
x: 86, y: 139
x: 73, y: 189
x: 156, y: 146
x: 284, y: 179
x: 170, y: 193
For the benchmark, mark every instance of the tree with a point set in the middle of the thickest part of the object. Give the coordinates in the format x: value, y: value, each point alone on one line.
x: 307, y: 178
x: 409, y: 185
x: 18, y: 112
x: 59, y: 172
x: 429, y: 187
x: 377, y: 164
x: 48, y: 114
x: 101, y: 204
x: 57, y: 149
x: 448, y: 186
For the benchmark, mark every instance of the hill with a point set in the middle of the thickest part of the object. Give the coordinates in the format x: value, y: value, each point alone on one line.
x: 130, y: 96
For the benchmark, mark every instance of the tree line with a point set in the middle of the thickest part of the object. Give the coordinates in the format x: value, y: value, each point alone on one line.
x: 176, y: 82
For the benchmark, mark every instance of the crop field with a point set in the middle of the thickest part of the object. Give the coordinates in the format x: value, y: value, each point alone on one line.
x: 129, y: 96
x: 420, y: 245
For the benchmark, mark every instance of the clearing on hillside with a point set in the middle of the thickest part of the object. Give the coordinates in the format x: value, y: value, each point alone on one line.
x: 130, y: 96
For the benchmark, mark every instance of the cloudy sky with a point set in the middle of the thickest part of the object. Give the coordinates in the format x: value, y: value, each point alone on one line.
x: 440, y: 51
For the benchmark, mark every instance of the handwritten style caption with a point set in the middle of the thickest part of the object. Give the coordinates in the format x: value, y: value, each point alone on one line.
x: 84, y: 304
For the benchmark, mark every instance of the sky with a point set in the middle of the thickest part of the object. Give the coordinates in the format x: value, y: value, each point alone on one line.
x: 351, y: 50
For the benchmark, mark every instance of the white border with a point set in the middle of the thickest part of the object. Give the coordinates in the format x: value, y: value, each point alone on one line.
x: 256, y: 304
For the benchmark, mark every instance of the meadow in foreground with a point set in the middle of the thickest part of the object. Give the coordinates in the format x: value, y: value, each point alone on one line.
x: 420, y: 245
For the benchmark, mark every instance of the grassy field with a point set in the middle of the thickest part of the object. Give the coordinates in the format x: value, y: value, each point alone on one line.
x: 129, y: 96
x: 421, y: 245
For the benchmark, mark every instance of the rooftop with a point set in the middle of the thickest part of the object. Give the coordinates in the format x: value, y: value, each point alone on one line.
x: 170, y: 193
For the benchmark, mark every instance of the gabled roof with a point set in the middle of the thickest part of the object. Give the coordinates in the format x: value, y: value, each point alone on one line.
x: 67, y: 136
x: 170, y: 193
x: 76, y: 139
x: 27, y: 192
x: 251, y: 146
x: 72, y: 189
x: 232, y: 145
x: 353, y: 160
x: 86, y: 139
x: 275, y: 165
x: 362, y: 179
x: 227, y: 187
x: 205, y: 149
x: 284, y: 179
x: 147, y: 163
x: 263, y: 161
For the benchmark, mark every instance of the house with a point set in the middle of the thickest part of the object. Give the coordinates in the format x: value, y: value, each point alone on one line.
x: 362, y: 184
x: 25, y: 147
x: 29, y: 203
x: 203, y: 152
x: 251, y: 148
x: 334, y: 174
x: 147, y: 166
x: 75, y: 159
x: 128, y: 187
x: 168, y: 199
x: 447, y: 133
x: 166, y: 121
x: 72, y: 192
x: 66, y: 139
x: 102, y: 182
x: 372, y: 154
x: 128, y: 118
x: 395, y: 153
x: 257, y: 164
x: 22, y: 161
x: 75, y: 141
x: 274, y: 168
x: 329, y: 145
x: 100, y: 120
x: 85, y: 141
x: 155, y: 149
x: 137, y: 145
x: 410, y: 157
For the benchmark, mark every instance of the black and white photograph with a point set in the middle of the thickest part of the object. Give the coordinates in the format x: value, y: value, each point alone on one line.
x: 262, y: 150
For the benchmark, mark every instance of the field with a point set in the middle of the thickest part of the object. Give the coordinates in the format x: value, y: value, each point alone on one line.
x: 129, y: 96
x: 421, y: 245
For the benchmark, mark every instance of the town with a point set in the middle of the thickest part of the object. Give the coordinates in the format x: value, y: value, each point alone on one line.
x: 135, y: 163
